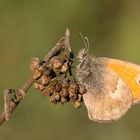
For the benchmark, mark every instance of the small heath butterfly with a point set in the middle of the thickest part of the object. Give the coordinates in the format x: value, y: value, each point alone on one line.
x: 112, y: 85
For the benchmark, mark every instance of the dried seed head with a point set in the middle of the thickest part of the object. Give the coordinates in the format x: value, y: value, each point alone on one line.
x: 37, y: 74
x: 65, y: 83
x: 73, y: 89
x: 53, y: 82
x: 39, y: 81
x: 45, y: 80
x: 51, y: 89
x: 58, y: 86
x: 71, y: 94
x: 36, y: 85
x: 47, y: 72
x: 63, y: 100
x: 56, y: 62
x: 52, y: 77
x: 35, y: 64
x: 41, y: 68
x: 64, y: 92
x: 82, y: 89
x: 64, y: 68
x: 57, y: 97
x: 73, y: 97
x: 52, y: 99
x: 77, y: 104
x: 39, y: 86
x: 57, y: 65
x: 56, y: 70
x: 72, y: 85
x: 45, y: 92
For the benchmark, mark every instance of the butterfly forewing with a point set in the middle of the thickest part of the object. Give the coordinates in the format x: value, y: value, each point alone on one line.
x: 108, y: 96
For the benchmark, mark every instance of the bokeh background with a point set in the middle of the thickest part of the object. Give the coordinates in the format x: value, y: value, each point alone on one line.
x: 30, y: 28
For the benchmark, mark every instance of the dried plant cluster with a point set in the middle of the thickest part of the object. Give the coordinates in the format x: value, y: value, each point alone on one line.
x: 52, y: 77
x: 55, y: 79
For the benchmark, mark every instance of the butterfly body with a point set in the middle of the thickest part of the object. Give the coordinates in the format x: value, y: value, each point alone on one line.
x: 112, y: 86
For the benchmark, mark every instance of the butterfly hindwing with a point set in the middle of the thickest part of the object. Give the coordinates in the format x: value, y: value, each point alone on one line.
x: 130, y: 73
x: 111, y: 103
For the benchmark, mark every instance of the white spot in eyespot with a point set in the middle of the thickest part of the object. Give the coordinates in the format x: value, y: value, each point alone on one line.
x: 138, y: 79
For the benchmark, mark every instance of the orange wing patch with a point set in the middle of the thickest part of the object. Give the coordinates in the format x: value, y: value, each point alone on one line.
x: 130, y: 73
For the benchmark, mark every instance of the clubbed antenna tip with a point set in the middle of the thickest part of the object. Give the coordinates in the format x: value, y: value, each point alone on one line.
x: 84, y: 38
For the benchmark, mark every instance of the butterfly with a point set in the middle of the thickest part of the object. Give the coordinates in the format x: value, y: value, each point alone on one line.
x: 113, y: 86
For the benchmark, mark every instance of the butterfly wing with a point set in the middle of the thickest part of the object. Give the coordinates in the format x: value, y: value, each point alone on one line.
x: 110, y: 103
x: 108, y: 97
x: 130, y: 73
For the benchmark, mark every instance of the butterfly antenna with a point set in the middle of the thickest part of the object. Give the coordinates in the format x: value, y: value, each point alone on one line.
x: 87, y: 42
x: 84, y: 38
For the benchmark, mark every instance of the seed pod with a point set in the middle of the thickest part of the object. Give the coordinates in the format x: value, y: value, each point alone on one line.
x: 47, y: 72
x: 77, y: 104
x: 58, y: 86
x: 63, y: 100
x: 52, y: 99
x: 82, y: 89
x: 39, y: 81
x: 45, y: 80
x: 56, y: 63
x: 45, y: 92
x: 65, y: 83
x: 73, y: 98
x: 35, y: 63
x: 71, y: 94
x: 72, y: 89
x: 41, y: 68
x: 64, y: 92
x: 64, y: 68
x: 41, y: 87
x: 56, y: 70
x: 37, y: 74
x: 36, y: 85
x: 53, y: 82
x: 73, y: 86
x: 51, y: 90
x: 57, y: 97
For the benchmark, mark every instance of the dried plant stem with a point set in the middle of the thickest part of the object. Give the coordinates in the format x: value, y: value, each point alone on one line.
x: 62, y: 44
x: 44, y: 74
x: 10, y: 102
x: 19, y: 94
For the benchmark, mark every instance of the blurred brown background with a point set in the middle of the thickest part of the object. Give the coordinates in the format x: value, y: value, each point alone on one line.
x: 30, y: 28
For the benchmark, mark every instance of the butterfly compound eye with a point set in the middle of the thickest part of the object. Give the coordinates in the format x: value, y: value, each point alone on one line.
x: 138, y: 79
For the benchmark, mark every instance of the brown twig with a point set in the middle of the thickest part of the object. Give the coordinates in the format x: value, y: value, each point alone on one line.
x: 62, y: 44
x: 10, y: 102
x: 53, y: 77
x: 19, y: 94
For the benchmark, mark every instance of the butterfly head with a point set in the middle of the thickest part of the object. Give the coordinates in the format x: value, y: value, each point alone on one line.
x: 82, y: 54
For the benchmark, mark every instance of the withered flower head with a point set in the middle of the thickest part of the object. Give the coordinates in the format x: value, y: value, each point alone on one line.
x: 35, y: 63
